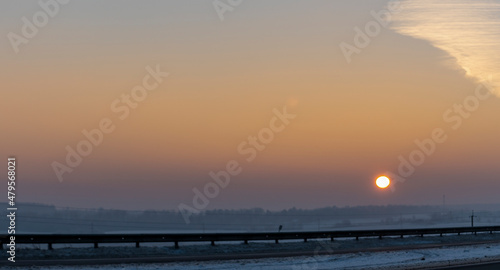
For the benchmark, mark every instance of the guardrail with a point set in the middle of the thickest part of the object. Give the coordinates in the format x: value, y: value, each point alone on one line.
x: 96, y: 239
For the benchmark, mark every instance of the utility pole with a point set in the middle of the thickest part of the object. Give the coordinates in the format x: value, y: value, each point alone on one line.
x: 472, y: 219
x: 443, y: 211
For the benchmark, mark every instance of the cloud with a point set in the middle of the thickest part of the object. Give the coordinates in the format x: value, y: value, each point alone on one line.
x: 468, y: 30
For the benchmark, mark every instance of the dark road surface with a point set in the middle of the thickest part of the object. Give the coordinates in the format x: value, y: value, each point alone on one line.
x: 487, y: 266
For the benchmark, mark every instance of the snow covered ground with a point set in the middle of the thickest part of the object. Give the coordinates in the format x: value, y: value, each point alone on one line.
x: 414, y: 259
x: 373, y: 260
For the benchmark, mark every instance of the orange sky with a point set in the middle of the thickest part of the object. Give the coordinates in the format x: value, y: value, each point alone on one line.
x: 225, y: 78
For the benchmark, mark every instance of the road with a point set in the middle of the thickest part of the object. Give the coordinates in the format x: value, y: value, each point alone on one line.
x: 485, y: 266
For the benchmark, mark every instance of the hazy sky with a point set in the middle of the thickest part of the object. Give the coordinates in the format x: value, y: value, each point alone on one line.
x: 226, y: 79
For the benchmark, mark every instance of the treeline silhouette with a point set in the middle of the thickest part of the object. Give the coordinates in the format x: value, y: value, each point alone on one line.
x: 39, y: 218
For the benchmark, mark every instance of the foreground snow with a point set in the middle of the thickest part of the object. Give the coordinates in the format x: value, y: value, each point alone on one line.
x: 411, y: 259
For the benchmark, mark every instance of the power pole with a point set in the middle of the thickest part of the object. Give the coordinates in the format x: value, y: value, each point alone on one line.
x: 472, y: 219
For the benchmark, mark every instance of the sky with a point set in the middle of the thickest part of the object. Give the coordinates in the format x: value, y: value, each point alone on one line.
x: 332, y: 95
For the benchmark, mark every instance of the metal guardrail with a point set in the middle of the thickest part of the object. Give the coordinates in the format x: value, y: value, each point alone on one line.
x: 96, y: 239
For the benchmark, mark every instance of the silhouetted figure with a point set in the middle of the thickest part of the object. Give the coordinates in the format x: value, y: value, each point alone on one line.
x: 281, y: 227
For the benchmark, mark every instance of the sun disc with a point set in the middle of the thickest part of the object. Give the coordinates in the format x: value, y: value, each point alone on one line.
x: 383, y: 182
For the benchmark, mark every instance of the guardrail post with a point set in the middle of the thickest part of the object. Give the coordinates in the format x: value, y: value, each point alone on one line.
x: 277, y: 241
x: 357, y: 238
x: 441, y: 234
x: 458, y: 233
x: 402, y: 236
x: 331, y: 238
x: 50, y: 246
x: 305, y: 239
x: 137, y: 245
x: 422, y: 235
x: 491, y: 232
x: 246, y: 242
x: 213, y: 243
x: 380, y: 237
x: 96, y: 245
x: 176, y: 244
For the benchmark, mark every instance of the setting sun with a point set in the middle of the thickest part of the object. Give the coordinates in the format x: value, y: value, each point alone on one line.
x: 383, y: 182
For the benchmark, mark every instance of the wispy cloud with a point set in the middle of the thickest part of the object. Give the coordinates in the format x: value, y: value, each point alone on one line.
x: 468, y: 30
